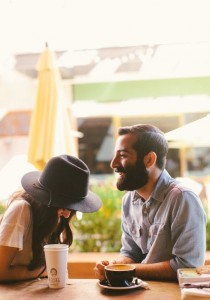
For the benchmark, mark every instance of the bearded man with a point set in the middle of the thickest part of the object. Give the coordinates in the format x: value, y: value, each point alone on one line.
x: 163, y: 222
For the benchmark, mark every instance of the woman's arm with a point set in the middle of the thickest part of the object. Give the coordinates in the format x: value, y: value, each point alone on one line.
x: 15, y: 273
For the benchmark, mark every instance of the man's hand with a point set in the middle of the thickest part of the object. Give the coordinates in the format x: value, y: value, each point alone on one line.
x: 99, y: 268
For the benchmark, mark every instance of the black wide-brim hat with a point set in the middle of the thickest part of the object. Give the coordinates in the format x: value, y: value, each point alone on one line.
x: 63, y: 183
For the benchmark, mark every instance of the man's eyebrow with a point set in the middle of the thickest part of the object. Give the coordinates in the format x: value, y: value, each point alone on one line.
x: 122, y: 150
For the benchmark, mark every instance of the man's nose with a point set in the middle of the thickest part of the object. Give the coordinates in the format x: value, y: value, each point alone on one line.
x: 114, y: 163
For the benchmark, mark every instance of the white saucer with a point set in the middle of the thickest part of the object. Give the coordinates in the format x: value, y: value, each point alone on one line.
x: 108, y: 287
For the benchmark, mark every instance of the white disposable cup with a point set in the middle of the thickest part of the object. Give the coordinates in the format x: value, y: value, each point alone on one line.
x: 56, y: 256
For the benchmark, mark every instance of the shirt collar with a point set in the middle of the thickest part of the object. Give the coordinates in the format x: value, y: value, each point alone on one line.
x: 159, y: 191
x: 161, y: 186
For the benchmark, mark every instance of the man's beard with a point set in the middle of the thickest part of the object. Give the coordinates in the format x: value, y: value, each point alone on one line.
x: 134, y: 177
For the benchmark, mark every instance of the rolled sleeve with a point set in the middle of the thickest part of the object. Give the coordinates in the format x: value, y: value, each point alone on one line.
x: 15, y: 224
x: 188, y: 232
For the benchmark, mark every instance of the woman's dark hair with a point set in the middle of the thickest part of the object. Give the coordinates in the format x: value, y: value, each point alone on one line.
x: 46, y: 228
x: 149, y: 139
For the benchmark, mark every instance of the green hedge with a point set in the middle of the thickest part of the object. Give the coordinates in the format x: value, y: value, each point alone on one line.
x: 208, y: 235
x: 100, y: 231
x: 2, y: 208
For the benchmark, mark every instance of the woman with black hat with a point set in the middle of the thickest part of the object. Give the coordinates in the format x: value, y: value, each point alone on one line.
x: 40, y: 214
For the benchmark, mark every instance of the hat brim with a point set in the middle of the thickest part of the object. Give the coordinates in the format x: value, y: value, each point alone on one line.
x: 30, y: 183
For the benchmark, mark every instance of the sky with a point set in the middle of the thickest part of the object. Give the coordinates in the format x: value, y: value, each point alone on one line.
x: 26, y: 25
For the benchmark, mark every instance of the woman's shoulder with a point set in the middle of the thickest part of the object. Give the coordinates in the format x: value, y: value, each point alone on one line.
x: 19, y: 205
x: 19, y: 202
x: 18, y: 212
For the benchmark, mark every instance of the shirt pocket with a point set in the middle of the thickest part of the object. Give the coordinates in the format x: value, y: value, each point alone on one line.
x: 134, y: 230
x: 158, y: 232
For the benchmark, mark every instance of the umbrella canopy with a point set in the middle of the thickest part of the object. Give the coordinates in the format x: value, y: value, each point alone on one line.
x: 51, y: 129
x: 194, y: 134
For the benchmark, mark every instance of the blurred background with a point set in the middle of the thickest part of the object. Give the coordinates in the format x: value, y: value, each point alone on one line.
x: 105, y: 64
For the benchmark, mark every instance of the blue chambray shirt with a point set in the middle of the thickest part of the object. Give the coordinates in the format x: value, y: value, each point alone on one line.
x: 170, y: 225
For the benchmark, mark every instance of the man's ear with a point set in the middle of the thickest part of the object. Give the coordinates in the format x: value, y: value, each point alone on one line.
x: 150, y: 159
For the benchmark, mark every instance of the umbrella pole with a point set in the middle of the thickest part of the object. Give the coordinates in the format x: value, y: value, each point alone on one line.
x: 116, y: 121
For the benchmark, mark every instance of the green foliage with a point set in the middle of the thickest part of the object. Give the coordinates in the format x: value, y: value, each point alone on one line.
x: 2, y: 208
x: 208, y: 235
x: 207, y: 228
x: 100, y: 231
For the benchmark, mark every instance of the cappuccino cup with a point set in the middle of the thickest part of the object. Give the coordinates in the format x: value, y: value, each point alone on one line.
x: 120, y: 275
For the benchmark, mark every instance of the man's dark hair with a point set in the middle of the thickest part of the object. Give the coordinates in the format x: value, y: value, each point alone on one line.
x: 149, y: 139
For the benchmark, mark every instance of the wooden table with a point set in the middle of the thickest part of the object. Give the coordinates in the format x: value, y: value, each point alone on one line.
x: 86, y: 289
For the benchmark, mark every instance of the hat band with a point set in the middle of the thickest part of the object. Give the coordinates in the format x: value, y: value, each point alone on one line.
x: 42, y: 187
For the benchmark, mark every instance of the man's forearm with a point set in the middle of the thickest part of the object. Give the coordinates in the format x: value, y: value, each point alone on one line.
x: 156, y: 271
x: 123, y: 260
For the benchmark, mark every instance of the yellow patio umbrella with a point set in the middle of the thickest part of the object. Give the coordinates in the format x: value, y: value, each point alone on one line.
x: 52, y: 129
